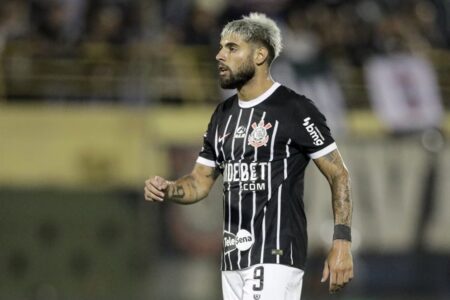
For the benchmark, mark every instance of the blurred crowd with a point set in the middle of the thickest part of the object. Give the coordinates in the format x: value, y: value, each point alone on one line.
x: 351, y: 29
x: 142, y: 52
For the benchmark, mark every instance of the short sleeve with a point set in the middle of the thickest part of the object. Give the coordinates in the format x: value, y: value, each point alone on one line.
x: 312, y: 135
x: 208, y: 153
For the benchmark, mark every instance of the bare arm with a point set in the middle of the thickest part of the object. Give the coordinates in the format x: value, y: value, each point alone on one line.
x: 333, y: 168
x: 186, y: 190
x: 339, y: 263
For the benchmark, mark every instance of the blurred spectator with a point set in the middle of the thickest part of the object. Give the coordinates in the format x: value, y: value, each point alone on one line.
x: 14, y: 21
x: 107, y: 25
x: 402, y: 85
x: 405, y: 94
x: 305, y: 66
x: 13, y: 25
x: 51, y: 37
x: 200, y: 27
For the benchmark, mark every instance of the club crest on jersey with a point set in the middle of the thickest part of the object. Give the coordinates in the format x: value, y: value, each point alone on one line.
x: 259, y: 136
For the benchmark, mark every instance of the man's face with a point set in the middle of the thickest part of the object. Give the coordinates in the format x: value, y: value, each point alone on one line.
x: 236, y: 66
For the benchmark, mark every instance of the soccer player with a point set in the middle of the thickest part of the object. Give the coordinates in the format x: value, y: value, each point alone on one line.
x: 261, y: 141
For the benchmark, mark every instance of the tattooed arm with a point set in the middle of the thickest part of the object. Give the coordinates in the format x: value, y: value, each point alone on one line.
x: 339, y: 263
x: 186, y: 190
x: 333, y: 168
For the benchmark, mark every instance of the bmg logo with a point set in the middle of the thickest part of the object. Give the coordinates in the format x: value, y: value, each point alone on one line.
x: 314, y: 132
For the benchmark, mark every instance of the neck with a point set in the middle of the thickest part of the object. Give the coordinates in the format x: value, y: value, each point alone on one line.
x: 255, y: 87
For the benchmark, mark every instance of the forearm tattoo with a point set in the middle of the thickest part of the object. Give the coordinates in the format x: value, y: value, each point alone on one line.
x: 177, y: 192
x: 183, y: 190
x: 334, y: 169
x: 193, y: 187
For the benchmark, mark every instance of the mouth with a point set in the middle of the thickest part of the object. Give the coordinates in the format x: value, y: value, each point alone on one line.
x: 222, y: 70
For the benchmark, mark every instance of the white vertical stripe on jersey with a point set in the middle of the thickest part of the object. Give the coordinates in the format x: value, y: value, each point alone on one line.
x: 223, y: 262
x: 269, y: 171
x: 234, y: 133
x: 215, y: 144
x: 292, y: 258
x: 229, y: 223
x: 263, y: 236
x: 229, y: 184
x: 244, y: 146
x: 252, y: 227
x: 229, y: 193
x: 240, y: 183
x: 269, y: 178
x: 240, y: 218
x: 223, y: 137
x: 279, y: 220
x: 246, y: 133
x: 288, y: 153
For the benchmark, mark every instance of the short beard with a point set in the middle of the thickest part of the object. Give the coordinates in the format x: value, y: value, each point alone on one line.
x: 243, y: 75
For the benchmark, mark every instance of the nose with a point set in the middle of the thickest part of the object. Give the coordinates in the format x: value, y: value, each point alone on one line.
x: 220, y: 56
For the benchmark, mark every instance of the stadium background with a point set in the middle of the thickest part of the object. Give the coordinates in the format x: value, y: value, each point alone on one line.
x: 95, y: 96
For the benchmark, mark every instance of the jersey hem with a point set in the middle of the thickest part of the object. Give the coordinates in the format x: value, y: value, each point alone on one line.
x: 299, y: 267
x: 206, y: 162
x: 323, y: 151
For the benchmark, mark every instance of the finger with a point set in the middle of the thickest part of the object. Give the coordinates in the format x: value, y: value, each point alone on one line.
x: 161, y: 183
x: 349, y: 275
x: 152, y: 188
x: 152, y: 197
x: 333, y: 280
x: 164, y: 184
x: 340, y: 278
x: 339, y: 281
x: 149, y: 195
x: 325, y: 273
x: 346, y: 278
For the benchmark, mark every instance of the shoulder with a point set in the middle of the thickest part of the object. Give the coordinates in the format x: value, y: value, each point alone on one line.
x: 293, y: 100
x: 224, y: 107
x: 227, y: 104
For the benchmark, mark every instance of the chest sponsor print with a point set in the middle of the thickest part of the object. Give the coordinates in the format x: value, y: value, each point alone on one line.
x: 242, y: 241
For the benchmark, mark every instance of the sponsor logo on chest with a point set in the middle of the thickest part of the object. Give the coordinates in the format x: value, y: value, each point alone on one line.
x: 242, y: 241
x: 251, y: 176
x: 240, y: 132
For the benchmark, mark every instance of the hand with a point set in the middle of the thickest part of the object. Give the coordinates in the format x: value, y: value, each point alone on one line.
x: 338, y: 265
x: 155, y: 188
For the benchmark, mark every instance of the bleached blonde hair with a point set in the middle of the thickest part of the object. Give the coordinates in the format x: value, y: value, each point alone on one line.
x: 257, y: 28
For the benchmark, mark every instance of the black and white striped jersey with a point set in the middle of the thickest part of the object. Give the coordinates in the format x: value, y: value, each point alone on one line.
x: 262, y: 148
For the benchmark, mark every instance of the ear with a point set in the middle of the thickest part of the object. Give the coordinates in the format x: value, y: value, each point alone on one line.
x: 261, y: 54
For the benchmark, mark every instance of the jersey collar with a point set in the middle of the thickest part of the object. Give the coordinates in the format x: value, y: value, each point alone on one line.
x: 260, y: 98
